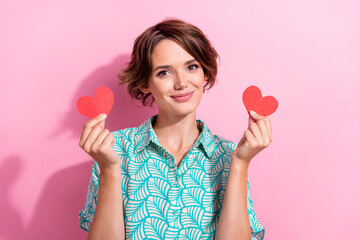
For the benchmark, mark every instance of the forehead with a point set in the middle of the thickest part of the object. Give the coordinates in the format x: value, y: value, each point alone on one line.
x: 169, y: 52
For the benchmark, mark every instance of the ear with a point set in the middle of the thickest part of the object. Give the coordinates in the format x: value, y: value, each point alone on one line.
x: 144, y: 90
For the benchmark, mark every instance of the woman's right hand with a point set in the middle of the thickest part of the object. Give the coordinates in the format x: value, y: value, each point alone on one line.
x: 98, y: 142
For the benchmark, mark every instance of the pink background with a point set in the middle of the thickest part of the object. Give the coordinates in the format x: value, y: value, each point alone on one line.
x: 305, y: 185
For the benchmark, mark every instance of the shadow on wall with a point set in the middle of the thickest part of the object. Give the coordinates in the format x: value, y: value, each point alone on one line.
x: 64, y: 195
x: 56, y: 213
x: 11, y: 225
x: 125, y: 112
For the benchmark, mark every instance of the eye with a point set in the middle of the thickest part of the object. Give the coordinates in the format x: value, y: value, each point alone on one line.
x: 193, y: 67
x: 160, y: 74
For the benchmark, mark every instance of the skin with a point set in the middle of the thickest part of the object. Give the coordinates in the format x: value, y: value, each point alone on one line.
x: 234, y: 220
x: 176, y: 129
x: 176, y: 126
x: 97, y: 141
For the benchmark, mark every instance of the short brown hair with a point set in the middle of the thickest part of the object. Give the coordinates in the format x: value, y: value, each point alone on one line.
x: 188, y: 36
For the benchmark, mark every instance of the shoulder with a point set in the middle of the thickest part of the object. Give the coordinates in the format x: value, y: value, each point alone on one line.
x: 224, y: 144
x: 123, y: 140
x: 223, y: 149
x: 128, y: 137
x: 126, y: 134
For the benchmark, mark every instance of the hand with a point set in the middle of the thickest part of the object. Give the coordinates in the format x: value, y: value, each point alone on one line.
x: 257, y: 137
x: 98, y: 142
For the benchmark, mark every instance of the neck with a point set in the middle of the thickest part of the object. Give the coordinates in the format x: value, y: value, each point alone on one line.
x: 177, y: 131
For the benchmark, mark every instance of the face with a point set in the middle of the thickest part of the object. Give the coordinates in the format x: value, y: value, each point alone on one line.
x: 174, y: 71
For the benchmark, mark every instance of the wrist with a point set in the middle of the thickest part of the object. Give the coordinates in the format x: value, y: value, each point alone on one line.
x: 241, y: 163
x: 111, y: 170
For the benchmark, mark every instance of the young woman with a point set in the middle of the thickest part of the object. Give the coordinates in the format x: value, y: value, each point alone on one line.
x: 170, y: 177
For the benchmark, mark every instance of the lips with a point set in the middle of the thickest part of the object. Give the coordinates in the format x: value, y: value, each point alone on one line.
x: 182, y: 95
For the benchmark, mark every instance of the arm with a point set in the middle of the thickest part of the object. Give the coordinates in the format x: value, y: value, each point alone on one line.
x: 234, y: 219
x: 108, y: 220
x: 98, y: 142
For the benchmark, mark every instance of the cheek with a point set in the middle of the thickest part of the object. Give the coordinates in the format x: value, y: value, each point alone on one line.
x: 201, y: 82
x: 160, y: 88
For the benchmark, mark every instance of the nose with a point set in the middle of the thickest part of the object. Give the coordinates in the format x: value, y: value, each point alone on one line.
x: 181, y: 81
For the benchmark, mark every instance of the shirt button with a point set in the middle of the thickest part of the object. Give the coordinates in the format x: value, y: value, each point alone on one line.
x: 176, y: 212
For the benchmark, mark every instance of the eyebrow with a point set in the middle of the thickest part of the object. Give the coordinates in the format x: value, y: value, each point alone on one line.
x: 168, y: 66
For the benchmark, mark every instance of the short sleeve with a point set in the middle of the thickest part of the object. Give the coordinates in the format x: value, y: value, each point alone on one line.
x: 257, y: 230
x: 86, y: 215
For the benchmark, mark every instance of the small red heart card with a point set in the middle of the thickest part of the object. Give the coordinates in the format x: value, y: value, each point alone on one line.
x: 253, y: 100
x: 102, y: 102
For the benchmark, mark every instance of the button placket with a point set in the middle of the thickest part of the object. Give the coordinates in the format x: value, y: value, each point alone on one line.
x: 175, y: 184
x: 176, y: 211
x: 170, y: 161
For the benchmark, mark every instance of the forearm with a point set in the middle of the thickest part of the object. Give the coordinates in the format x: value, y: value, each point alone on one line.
x: 108, y: 220
x: 234, y: 219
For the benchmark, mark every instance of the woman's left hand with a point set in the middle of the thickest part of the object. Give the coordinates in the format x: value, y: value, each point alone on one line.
x: 257, y: 137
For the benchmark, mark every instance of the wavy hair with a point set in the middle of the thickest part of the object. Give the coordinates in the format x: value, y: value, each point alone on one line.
x: 189, y: 37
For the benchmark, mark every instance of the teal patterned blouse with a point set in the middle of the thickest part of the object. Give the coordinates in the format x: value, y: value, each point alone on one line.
x: 163, y: 201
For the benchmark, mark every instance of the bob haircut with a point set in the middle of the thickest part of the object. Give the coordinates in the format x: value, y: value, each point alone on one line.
x: 188, y: 36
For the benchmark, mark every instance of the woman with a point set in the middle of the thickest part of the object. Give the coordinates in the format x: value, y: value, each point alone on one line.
x: 174, y: 178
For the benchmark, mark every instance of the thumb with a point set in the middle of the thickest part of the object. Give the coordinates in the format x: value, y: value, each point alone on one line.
x: 251, y: 119
x: 102, y: 124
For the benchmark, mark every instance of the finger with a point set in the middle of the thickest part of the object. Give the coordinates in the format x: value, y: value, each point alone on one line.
x: 99, y: 126
x: 251, y: 120
x: 264, y: 131
x: 109, y: 140
x: 256, y: 132
x: 99, y: 140
x: 250, y: 138
x: 268, y: 126
x: 89, y: 125
x: 242, y: 140
x: 91, y: 138
x: 255, y: 115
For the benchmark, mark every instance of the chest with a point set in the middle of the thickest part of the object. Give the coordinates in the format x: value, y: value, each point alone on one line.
x: 178, y: 155
x: 158, y: 196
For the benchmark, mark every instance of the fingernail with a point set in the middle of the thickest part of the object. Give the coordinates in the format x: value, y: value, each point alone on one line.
x: 252, y: 113
x: 103, y: 115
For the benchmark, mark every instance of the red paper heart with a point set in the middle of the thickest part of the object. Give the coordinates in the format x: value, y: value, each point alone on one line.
x: 253, y: 100
x: 102, y: 102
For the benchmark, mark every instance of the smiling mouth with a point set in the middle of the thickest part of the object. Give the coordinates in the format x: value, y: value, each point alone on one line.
x: 183, y: 98
x: 183, y: 95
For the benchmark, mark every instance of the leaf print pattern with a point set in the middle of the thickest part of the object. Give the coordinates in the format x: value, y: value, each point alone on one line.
x: 138, y: 190
x: 163, y: 201
x: 158, y: 187
x: 194, y: 178
x: 155, y: 228
x: 136, y: 210
x: 138, y: 170
x: 135, y: 230
x: 192, y: 216
x: 158, y: 169
x: 158, y: 208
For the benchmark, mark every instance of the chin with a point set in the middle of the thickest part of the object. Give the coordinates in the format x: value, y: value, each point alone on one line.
x: 185, y: 109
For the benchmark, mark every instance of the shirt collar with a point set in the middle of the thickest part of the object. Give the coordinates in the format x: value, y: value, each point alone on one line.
x: 146, y: 134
